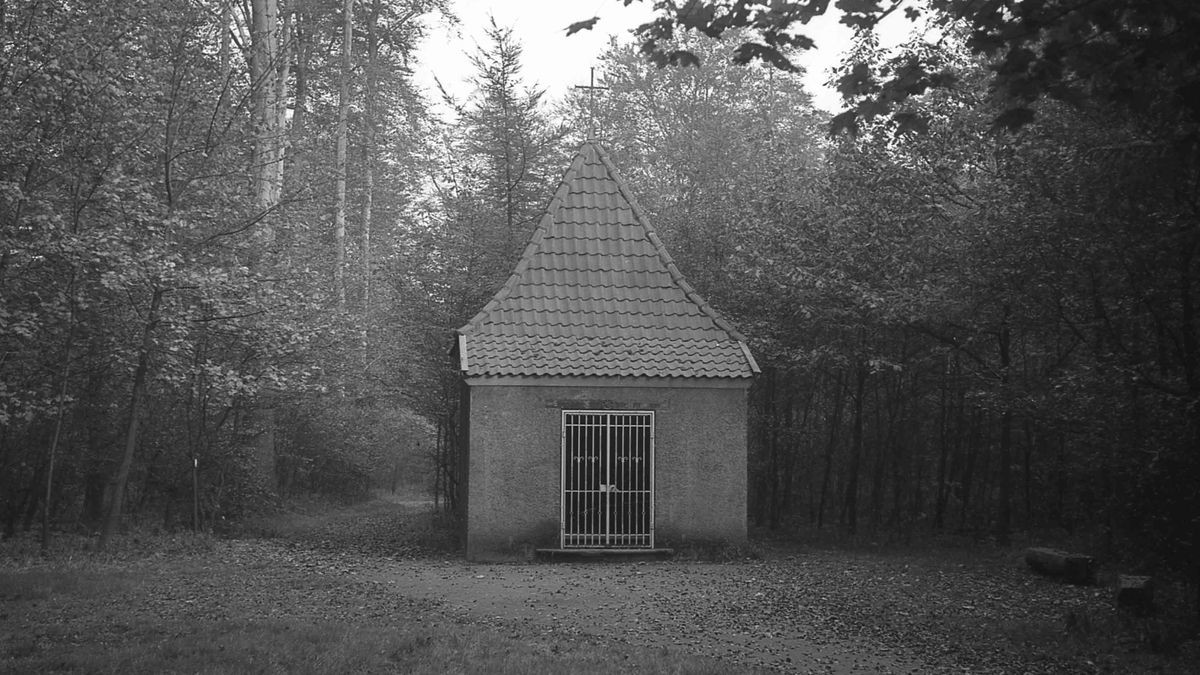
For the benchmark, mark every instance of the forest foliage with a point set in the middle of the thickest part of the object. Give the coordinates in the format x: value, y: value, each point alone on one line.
x: 234, y: 244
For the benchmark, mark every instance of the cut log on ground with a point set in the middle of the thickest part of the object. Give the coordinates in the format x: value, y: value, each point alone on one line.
x: 1070, y: 567
x: 1135, y: 594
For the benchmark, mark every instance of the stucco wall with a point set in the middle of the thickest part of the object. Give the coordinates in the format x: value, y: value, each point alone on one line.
x: 515, y: 455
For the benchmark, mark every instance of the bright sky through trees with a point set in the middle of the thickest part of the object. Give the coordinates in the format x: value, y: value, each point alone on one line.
x: 557, y: 62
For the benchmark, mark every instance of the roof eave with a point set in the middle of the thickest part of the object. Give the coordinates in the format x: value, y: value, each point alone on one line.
x: 754, y: 369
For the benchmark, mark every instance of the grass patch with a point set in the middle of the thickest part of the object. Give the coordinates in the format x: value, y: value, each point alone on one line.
x: 42, y: 584
x: 79, y: 550
x: 294, y: 646
x: 66, y: 621
x: 381, y: 527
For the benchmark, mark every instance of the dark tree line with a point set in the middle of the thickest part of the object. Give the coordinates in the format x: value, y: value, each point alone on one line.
x: 975, y: 313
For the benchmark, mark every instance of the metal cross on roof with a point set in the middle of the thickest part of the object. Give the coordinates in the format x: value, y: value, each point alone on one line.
x: 592, y: 88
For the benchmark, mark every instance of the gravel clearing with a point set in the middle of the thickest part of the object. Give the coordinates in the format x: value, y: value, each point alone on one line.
x: 797, y: 611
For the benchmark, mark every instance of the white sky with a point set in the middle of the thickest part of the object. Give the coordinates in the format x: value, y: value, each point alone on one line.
x: 557, y: 62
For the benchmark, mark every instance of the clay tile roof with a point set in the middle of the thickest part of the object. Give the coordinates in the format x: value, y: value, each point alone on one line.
x: 595, y: 293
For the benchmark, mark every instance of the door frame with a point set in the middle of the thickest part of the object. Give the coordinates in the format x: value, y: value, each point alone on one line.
x: 607, y: 489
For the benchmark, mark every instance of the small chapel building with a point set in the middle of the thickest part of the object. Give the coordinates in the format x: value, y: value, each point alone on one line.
x: 604, y: 401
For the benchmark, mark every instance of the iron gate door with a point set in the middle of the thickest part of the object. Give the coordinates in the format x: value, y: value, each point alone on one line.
x: 607, y: 479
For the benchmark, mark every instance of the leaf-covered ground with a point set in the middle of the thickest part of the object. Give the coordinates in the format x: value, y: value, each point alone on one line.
x: 818, y: 611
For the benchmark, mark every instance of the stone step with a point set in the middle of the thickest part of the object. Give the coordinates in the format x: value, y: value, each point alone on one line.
x: 602, y: 554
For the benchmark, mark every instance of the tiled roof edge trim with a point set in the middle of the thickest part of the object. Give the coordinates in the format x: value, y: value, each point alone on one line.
x: 745, y: 351
x: 535, y: 243
x: 463, y: 364
x: 672, y: 268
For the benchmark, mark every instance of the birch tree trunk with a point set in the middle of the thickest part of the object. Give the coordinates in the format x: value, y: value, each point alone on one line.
x: 301, y: 36
x: 277, y: 115
x: 262, y: 53
x: 372, y: 87
x: 339, y: 218
x: 270, y: 67
x: 226, y: 50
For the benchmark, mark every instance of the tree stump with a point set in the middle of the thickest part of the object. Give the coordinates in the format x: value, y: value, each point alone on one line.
x: 1135, y: 594
x: 1070, y: 567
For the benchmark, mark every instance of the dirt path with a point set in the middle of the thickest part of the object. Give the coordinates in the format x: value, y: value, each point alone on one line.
x: 718, y: 610
x: 744, y: 612
x: 804, y: 612
x: 796, y: 616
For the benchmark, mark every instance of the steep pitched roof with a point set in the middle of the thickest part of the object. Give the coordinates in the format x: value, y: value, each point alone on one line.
x: 595, y: 293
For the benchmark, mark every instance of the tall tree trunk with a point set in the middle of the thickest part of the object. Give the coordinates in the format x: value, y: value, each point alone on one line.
x: 884, y: 446
x: 835, y: 423
x: 302, y: 49
x: 772, y: 477
x: 136, y: 405
x: 339, y: 218
x: 900, y: 457
x: 1191, y: 369
x: 1032, y: 441
x: 942, y: 493
x: 370, y: 123
x: 855, y: 451
x: 64, y: 378
x: 264, y: 52
x: 277, y: 114
x: 1004, y: 512
x: 971, y: 450
x: 226, y: 49
x: 796, y: 446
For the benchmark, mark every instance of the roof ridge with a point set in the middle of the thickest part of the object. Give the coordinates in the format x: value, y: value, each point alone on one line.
x: 668, y: 261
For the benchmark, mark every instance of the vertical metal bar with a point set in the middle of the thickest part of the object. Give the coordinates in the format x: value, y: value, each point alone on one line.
x: 602, y: 476
x: 618, y: 443
x: 574, y: 496
x: 647, y: 472
x: 650, y: 472
x: 620, y: 453
x: 641, y: 483
x: 635, y: 457
x: 581, y: 471
x: 607, y: 478
x: 582, y: 487
x: 647, y: 478
x: 606, y: 496
x: 591, y: 472
x: 602, y: 479
x: 631, y: 506
x: 640, y: 462
x: 580, y: 477
x: 594, y: 483
x: 587, y: 481
x: 581, y: 527
x: 574, y: 478
x: 562, y: 482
